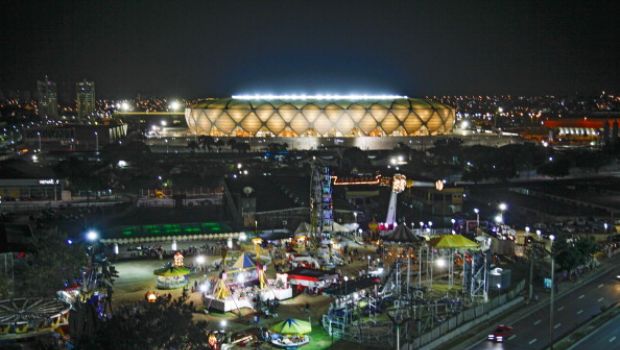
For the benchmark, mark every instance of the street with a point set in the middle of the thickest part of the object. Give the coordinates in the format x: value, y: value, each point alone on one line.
x: 607, y: 336
x: 571, y: 310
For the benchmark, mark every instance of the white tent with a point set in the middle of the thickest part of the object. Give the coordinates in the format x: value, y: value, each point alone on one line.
x: 304, y: 228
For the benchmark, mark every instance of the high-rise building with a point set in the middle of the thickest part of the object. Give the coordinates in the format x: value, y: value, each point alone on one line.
x: 85, y: 91
x: 48, y: 98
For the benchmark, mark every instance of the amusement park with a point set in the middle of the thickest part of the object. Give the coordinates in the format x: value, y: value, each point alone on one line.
x: 326, y: 284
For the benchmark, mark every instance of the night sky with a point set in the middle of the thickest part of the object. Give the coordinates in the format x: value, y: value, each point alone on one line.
x: 218, y: 48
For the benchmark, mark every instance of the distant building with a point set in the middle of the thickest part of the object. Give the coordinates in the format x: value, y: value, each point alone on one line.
x: 85, y: 98
x: 73, y: 137
x: 48, y: 98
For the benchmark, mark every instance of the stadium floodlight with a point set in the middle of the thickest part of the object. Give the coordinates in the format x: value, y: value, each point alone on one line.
x: 316, y: 97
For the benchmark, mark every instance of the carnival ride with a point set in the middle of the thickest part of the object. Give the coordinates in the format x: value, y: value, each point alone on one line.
x: 407, y: 290
x: 244, y: 285
x: 398, y: 183
x: 173, y: 276
x: 29, y: 317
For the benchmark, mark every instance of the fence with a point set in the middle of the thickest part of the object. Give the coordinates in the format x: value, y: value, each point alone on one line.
x: 369, y: 336
x: 468, y: 315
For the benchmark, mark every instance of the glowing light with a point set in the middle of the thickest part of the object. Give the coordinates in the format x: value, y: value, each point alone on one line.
x: 441, y: 262
x: 317, y: 97
x: 499, y: 219
x: 125, y: 106
x: 200, y: 259
x: 92, y: 235
x: 175, y: 105
x: 503, y: 206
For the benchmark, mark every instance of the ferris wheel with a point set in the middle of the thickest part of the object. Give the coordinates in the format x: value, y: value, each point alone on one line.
x: 27, y: 317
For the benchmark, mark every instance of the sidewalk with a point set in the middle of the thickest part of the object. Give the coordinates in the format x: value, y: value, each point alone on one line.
x: 472, y: 337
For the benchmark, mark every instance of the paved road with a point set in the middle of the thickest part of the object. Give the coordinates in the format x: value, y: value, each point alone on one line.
x: 573, y: 309
x: 605, y: 337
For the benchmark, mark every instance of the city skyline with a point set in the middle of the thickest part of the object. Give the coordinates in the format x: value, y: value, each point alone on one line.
x: 221, y: 49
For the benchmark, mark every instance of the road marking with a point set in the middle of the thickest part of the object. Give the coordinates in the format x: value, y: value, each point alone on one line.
x: 600, y: 299
x: 537, y: 322
x: 512, y: 337
x: 612, y: 339
x: 533, y: 341
x: 579, y: 312
x: 557, y: 326
x: 600, y: 285
x: 581, y: 296
x: 561, y: 308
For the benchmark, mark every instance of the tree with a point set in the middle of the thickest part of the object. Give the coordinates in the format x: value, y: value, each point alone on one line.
x: 573, y: 252
x: 53, y: 262
x: 159, y: 325
x: 555, y: 167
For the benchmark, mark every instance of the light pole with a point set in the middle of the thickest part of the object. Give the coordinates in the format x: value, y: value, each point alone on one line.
x: 477, y: 211
x: 39, y: 137
x: 502, y: 208
x: 551, y: 239
x: 96, y: 143
x: 430, y: 224
x: 346, y: 279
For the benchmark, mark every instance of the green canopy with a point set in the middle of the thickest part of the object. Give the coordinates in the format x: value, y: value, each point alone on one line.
x: 453, y: 242
x: 292, y: 326
x: 172, y: 271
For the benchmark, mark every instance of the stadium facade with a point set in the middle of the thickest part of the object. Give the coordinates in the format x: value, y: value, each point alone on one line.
x: 319, y: 117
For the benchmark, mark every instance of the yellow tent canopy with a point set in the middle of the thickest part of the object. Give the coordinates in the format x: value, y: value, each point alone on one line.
x: 452, y: 242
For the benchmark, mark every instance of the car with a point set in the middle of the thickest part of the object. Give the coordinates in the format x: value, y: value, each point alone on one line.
x: 500, y: 333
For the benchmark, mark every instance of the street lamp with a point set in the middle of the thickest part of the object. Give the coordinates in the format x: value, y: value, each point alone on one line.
x: 430, y: 224
x: 96, y: 143
x: 92, y: 235
x: 346, y: 279
x: 502, y: 208
x: 477, y: 211
x: 39, y: 137
x: 498, y: 219
x: 551, y: 239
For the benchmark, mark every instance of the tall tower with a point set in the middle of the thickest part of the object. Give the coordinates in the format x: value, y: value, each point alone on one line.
x: 48, y: 98
x: 321, y: 205
x: 85, y: 98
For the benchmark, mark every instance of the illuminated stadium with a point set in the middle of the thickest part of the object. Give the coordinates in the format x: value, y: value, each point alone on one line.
x: 319, y: 116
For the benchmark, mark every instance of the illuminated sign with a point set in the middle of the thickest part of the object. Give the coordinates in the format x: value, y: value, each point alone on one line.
x: 48, y: 182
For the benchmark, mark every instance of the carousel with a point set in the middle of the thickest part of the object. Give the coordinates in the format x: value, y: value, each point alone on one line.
x: 29, y: 317
x: 173, y: 276
x: 290, y: 333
